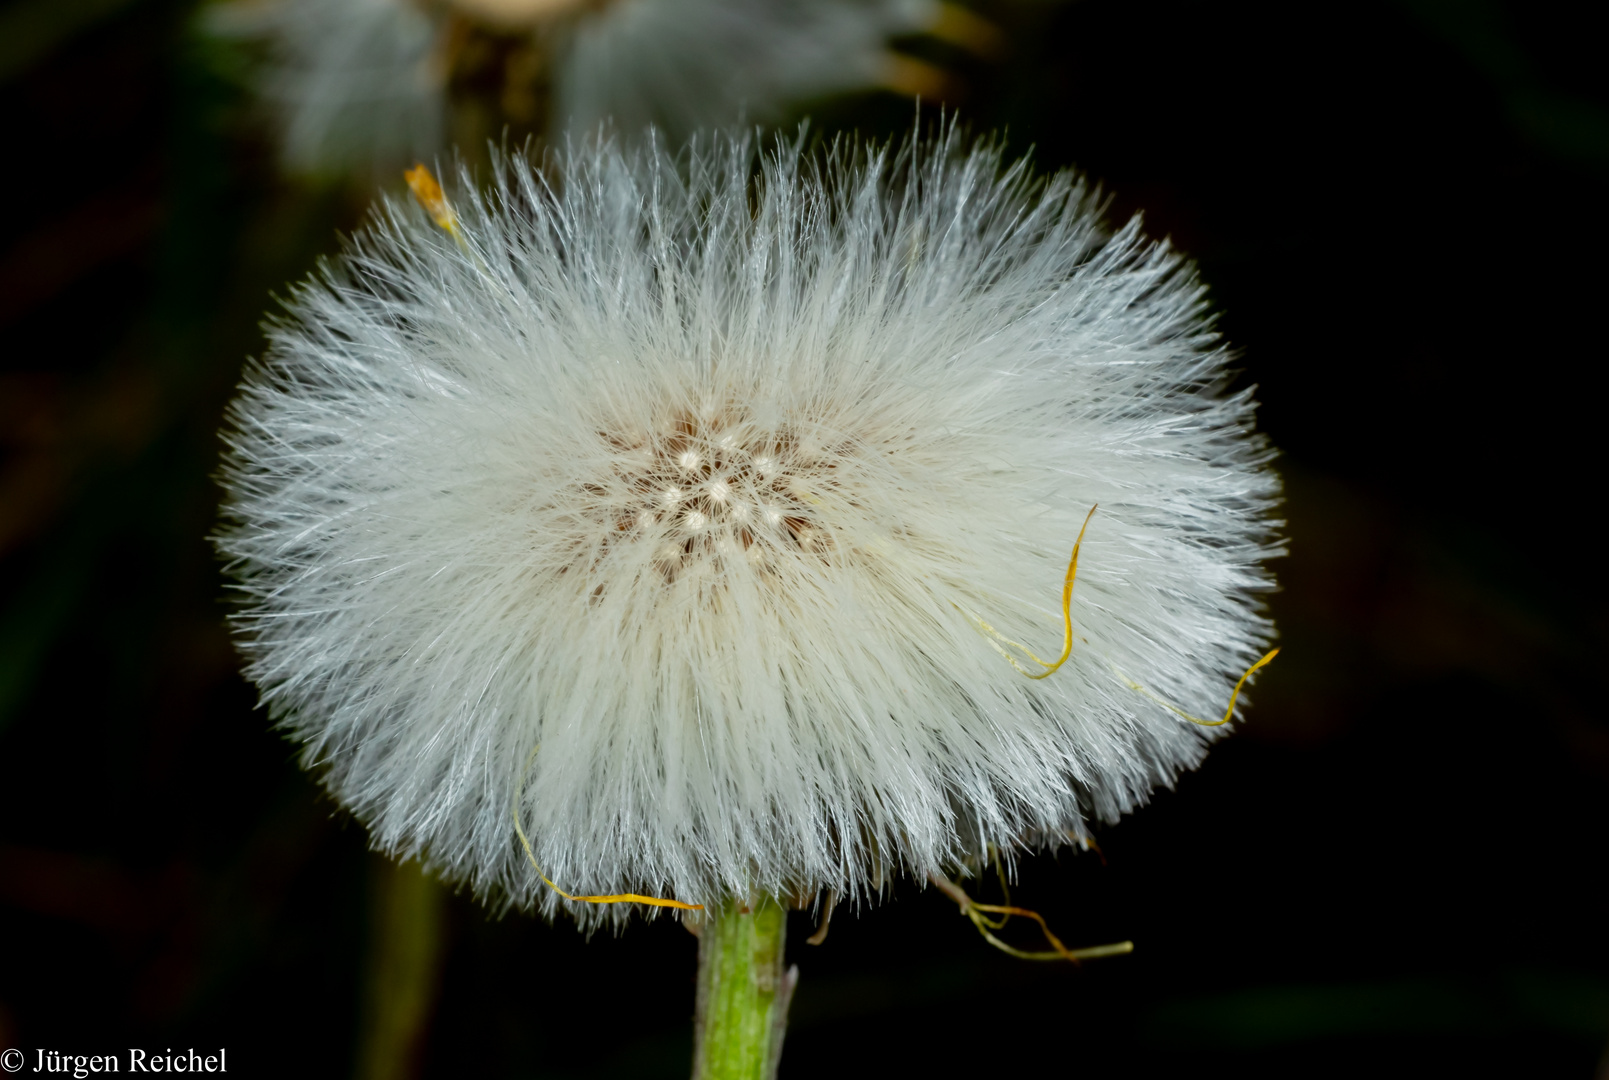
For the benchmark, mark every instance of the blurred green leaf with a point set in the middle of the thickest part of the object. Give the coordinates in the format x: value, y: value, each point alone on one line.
x: 1571, y: 127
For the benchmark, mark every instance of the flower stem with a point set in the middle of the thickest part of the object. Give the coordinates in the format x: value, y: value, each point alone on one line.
x: 743, y: 992
x: 408, y: 927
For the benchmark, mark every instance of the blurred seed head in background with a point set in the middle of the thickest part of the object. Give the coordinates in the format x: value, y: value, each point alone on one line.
x: 365, y: 86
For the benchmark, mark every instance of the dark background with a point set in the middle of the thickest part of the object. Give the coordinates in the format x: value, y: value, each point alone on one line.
x: 1400, y: 208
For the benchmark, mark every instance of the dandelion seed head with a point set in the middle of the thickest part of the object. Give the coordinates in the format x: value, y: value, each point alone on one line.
x: 659, y: 503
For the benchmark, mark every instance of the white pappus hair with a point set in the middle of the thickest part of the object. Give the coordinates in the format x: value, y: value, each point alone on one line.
x: 660, y: 499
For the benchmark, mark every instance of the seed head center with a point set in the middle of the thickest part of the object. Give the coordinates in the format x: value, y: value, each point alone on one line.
x: 702, y: 488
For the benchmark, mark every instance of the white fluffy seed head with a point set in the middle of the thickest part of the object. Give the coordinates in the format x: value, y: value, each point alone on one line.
x: 660, y: 510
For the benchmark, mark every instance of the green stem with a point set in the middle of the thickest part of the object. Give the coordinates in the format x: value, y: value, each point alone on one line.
x: 743, y: 992
x: 407, y: 928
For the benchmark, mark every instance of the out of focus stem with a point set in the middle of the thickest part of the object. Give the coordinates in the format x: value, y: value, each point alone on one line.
x: 743, y: 992
x: 407, y: 926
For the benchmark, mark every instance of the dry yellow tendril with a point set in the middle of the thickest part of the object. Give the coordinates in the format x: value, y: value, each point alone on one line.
x: 1176, y: 711
x: 615, y: 898
x: 997, y: 640
x: 979, y: 914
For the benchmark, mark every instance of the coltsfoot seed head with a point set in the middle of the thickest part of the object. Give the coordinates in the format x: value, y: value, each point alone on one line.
x: 662, y: 499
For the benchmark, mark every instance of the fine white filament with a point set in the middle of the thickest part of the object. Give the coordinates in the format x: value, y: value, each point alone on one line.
x: 661, y: 497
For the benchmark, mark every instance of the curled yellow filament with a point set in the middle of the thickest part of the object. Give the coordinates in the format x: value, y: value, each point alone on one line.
x: 978, y: 914
x: 1175, y: 710
x: 616, y: 898
x: 997, y: 639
